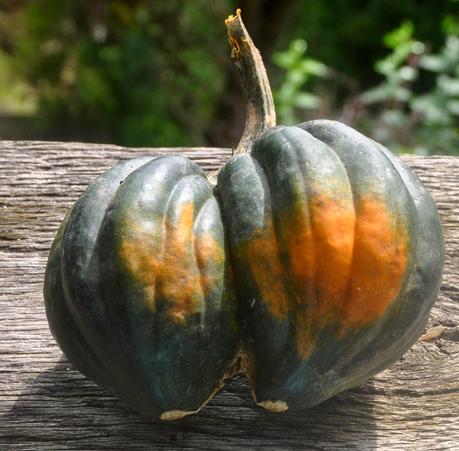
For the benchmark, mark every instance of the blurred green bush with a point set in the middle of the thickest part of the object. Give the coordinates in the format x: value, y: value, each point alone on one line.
x: 141, y: 72
x: 402, y: 111
x: 135, y: 73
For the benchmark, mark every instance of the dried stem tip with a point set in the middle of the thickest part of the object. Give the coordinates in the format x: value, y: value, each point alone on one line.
x: 260, y: 113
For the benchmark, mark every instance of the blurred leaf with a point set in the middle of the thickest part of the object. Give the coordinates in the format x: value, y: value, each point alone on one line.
x: 449, y: 85
x: 306, y: 101
x: 453, y: 107
x: 400, y: 35
x: 377, y: 94
x: 300, y: 69
x: 313, y: 67
x: 450, y: 25
x: 408, y: 73
x: 433, y: 63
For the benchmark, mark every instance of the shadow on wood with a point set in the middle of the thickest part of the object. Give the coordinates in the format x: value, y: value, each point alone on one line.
x: 63, y: 408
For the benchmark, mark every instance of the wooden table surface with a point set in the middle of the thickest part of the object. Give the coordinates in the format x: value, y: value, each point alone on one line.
x: 46, y: 404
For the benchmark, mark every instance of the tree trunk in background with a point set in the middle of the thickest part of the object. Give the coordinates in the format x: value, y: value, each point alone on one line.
x: 264, y: 21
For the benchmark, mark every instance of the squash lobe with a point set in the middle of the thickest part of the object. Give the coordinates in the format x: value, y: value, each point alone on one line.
x: 139, y: 273
x: 325, y: 236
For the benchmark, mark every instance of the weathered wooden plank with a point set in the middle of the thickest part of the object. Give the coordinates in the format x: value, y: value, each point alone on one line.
x: 45, y: 404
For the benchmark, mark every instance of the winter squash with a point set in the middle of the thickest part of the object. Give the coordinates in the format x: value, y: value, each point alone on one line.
x: 138, y: 290
x: 311, y: 266
x: 337, y: 251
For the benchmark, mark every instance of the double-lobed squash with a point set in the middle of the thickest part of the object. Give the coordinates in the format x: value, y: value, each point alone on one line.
x: 311, y: 265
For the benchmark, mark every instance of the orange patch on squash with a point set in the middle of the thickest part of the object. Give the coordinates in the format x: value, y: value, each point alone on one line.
x: 320, y: 250
x: 379, y: 263
x: 172, y: 273
x: 334, y: 224
x: 210, y: 259
x: 139, y: 258
x: 262, y: 256
x: 316, y: 243
x: 178, y: 281
x: 319, y: 246
x: 345, y: 265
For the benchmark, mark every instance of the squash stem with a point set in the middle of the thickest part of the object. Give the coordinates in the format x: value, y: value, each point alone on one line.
x: 260, y: 113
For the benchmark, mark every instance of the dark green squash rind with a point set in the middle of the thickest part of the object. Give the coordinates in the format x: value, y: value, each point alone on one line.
x: 406, y: 320
x: 61, y: 323
x: 251, y: 190
x: 81, y: 323
x: 93, y: 305
x: 269, y: 183
x: 102, y: 317
x: 207, y: 342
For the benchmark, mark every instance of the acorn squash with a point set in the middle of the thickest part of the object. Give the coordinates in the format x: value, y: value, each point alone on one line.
x: 311, y: 266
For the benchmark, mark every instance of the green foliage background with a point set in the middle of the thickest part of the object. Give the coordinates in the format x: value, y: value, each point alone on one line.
x: 147, y: 73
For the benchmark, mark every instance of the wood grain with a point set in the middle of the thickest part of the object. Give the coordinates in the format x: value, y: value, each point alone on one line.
x: 45, y: 404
